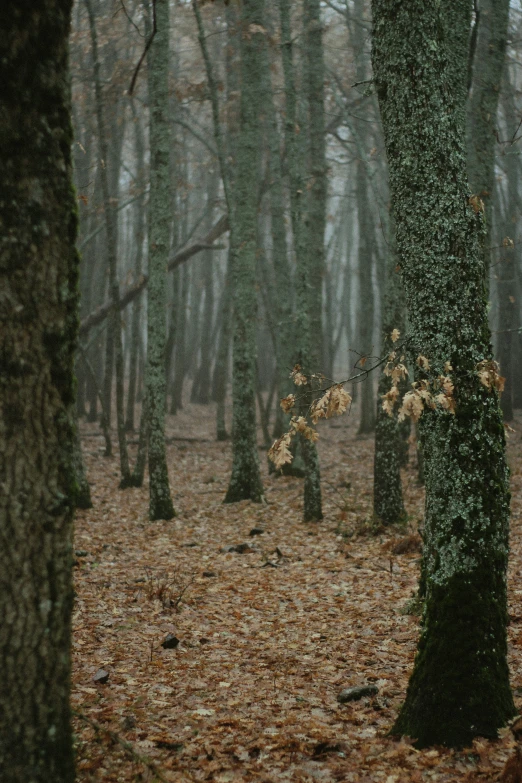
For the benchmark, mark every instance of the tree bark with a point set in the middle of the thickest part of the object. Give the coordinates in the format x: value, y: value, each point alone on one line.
x: 459, y: 688
x: 388, y: 504
x: 38, y: 333
x: 139, y: 223
x: 245, y: 481
x: 488, y: 67
x: 160, y: 502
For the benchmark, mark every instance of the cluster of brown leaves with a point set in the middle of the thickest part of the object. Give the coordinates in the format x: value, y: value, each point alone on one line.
x: 333, y: 402
x: 425, y: 393
x: 488, y: 373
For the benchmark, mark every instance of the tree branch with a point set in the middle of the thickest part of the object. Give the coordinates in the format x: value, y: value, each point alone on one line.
x: 179, y: 258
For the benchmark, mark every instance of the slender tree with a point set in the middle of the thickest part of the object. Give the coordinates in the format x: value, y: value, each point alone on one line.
x: 160, y: 502
x: 38, y: 332
x: 139, y: 231
x: 388, y: 504
x: 114, y: 337
x: 245, y: 481
x: 459, y: 688
x: 487, y: 70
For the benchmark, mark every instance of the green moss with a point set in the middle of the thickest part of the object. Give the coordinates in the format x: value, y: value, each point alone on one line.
x: 460, y: 684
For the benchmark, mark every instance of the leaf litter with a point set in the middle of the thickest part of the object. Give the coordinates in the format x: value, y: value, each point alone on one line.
x: 250, y: 690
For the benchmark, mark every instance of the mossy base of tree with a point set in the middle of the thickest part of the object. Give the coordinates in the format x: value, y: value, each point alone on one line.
x: 161, y: 508
x: 459, y: 688
x: 313, y: 510
x: 160, y: 501
x: 244, y: 485
x: 82, y: 497
x: 133, y: 480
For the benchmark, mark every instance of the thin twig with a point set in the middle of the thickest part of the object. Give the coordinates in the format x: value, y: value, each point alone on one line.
x: 131, y: 20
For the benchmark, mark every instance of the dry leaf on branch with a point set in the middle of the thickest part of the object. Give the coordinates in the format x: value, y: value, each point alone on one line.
x: 389, y: 400
x: 279, y: 452
x: 297, y: 376
x: 287, y: 403
x: 334, y: 401
x: 488, y: 373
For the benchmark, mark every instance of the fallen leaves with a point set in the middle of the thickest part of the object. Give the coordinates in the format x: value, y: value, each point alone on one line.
x: 250, y: 692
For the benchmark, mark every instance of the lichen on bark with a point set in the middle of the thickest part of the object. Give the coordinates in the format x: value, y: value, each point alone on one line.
x: 245, y: 481
x: 160, y: 202
x: 459, y: 688
x: 388, y: 504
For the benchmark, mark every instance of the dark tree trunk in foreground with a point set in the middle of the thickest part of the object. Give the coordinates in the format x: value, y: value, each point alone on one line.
x: 459, y: 688
x: 38, y: 329
x: 160, y: 502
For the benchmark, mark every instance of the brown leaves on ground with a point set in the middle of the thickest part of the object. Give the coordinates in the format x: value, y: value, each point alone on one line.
x: 269, y: 634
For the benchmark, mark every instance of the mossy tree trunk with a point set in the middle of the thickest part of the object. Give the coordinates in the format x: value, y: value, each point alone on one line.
x: 220, y: 377
x: 283, y: 289
x: 160, y: 210
x: 459, y: 688
x: 139, y: 232
x: 310, y: 261
x: 245, y: 481
x: 505, y: 265
x: 202, y: 383
x: 388, y: 504
x: 366, y: 303
x: 487, y: 71
x: 38, y: 334
x: 365, y: 229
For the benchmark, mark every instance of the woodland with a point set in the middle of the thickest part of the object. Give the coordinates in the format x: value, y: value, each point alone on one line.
x: 260, y: 391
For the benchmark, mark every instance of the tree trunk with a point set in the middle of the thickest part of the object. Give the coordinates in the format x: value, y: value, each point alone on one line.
x: 504, y: 268
x: 203, y: 384
x: 114, y: 333
x: 160, y: 502
x: 388, y: 504
x: 488, y: 67
x: 220, y: 379
x: 366, y: 305
x: 139, y: 222
x: 38, y: 334
x: 310, y: 262
x: 283, y: 299
x: 459, y: 688
x: 245, y: 481
x: 82, y: 494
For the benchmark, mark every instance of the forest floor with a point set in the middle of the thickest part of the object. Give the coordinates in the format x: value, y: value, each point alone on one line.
x: 268, y: 637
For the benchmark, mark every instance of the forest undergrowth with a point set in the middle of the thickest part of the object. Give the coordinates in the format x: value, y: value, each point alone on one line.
x: 269, y: 620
